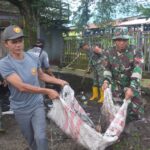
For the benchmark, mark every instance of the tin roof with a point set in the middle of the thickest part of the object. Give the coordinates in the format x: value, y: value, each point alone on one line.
x: 135, y: 22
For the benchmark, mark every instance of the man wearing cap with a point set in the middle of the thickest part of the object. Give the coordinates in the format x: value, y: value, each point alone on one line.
x: 39, y: 52
x: 21, y: 70
x: 123, y: 70
x: 43, y: 56
x: 95, y: 56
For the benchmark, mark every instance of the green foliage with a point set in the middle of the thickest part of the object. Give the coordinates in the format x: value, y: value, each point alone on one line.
x: 82, y: 15
x: 50, y: 12
x: 144, y: 11
x: 104, y: 11
x: 108, y: 9
x: 35, y: 13
x: 43, y: 11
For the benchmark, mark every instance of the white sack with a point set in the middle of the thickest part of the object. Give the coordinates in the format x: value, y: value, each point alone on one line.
x: 73, y: 120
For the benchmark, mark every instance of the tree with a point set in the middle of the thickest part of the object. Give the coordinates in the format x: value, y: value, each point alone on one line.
x: 102, y: 10
x: 82, y: 15
x: 40, y: 12
x: 26, y: 11
x: 145, y: 11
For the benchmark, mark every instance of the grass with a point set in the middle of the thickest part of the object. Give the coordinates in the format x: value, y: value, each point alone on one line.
x: 132, y: 143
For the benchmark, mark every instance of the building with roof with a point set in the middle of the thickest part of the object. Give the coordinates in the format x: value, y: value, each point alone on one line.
x: 140, y: 23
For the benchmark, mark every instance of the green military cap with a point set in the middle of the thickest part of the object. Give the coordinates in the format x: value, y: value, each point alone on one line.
x: 83, y: 43
x: 121, y: 33
x: 12, y: 32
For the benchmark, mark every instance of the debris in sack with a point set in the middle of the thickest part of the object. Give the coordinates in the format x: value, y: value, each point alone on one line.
x: 98, y: 128
x: 73, y: 120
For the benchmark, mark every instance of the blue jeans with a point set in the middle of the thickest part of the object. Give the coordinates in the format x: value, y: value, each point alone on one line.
x: 33, y: 128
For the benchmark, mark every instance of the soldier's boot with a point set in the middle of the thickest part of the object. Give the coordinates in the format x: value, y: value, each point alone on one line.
x: 101, y: 99
x: 94, y: 93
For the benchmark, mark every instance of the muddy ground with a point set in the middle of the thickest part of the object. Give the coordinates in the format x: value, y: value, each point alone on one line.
x: 136, y: 137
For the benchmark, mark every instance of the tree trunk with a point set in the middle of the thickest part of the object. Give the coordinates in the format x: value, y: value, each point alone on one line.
x: 30, y: 23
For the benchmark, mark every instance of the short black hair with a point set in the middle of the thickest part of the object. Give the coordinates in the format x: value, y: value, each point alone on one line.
x: 39, y: 43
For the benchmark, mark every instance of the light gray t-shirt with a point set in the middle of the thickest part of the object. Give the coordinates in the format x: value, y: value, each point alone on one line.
x: 43, y: 56
x: 27, y: 71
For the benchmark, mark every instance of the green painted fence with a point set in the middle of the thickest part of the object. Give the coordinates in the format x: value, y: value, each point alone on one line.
x: 75, y: 58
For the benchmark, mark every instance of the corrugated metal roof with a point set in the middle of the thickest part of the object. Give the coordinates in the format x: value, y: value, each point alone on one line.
x: 135, y: 22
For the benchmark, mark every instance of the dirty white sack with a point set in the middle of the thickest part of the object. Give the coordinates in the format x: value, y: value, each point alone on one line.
x: 109, y: 109
x: 74, y: 121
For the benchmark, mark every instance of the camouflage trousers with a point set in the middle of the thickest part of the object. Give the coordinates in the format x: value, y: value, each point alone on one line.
x: 135, y: 109
x: 97, y: 77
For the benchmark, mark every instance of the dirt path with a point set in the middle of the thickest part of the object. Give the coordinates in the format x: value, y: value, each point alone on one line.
x: 137, y: 136
x: 13, y: 139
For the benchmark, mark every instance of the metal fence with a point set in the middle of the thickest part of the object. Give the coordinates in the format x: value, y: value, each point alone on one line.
x: 75, y: 58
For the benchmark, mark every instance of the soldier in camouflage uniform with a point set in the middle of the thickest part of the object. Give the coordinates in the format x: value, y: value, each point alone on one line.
x: 123, y: 69
x: 94, y: 54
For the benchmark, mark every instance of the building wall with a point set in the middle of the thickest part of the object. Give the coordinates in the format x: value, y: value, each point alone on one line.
x: 53, y: 44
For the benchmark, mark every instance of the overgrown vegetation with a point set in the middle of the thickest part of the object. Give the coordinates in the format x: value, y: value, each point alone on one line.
x: 102, y: 11
x: 36, y: 13
x: 145, y: 11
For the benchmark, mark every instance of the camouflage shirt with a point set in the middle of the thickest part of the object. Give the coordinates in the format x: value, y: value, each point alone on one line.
x: 94, y: 58
x: 95, y: 61
x: 124, y: 69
